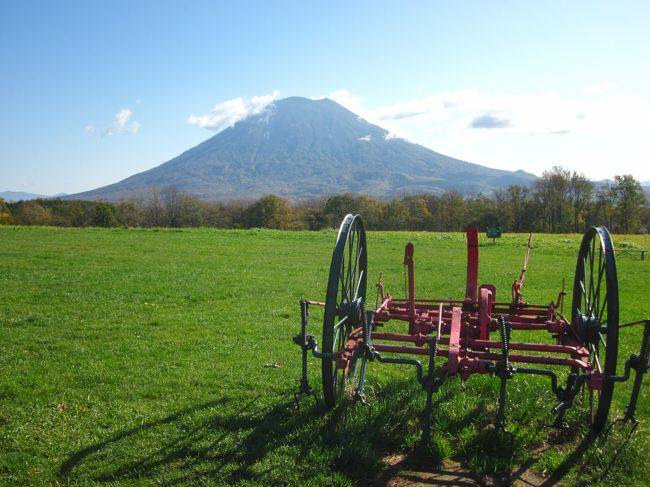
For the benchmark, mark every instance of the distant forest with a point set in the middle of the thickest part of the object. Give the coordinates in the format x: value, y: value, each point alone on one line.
x: 559, y: 202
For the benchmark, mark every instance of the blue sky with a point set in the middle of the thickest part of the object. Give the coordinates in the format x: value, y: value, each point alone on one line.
x: 94, y: 92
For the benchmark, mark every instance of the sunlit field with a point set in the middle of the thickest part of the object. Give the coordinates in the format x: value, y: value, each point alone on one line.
x: 166, y: 357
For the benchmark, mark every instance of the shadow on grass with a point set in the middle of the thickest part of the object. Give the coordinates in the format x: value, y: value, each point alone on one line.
x: 228, y: 441
x: 594, y: 459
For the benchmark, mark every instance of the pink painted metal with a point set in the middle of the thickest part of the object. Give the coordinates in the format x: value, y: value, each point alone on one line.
x: 454, y: 342
x: 463, y: 327
x: 472, y: 265
x: 485, y: 311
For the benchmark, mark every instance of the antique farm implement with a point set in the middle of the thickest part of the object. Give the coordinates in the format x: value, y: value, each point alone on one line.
x: 476, y: 334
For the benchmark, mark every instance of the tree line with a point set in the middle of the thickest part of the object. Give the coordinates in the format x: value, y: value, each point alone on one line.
x: 560, y: 201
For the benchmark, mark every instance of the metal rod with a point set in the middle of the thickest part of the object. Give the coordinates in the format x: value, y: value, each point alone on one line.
x: 472, y: 265
x: 304, y: 317
x: 408, y: 262
x: 547, y: 373
x: 430, y: 386
x: 639, y: 371
x: 533, y: 347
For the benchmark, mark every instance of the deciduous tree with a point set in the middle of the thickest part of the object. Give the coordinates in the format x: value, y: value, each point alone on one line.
x: 629, y: 201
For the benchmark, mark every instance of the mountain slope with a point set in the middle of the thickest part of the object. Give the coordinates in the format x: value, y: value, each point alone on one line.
x: 299, y: 147
x: 22, y: 196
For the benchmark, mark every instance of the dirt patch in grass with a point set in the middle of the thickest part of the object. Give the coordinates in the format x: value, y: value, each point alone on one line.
x: 417, y: 471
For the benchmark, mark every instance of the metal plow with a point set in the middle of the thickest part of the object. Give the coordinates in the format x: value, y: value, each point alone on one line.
x: 444, y: 338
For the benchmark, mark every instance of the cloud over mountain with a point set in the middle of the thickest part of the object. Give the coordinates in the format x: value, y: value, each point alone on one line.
x: 297, y: 147
x: 228, y: 113
x: 490, y: 120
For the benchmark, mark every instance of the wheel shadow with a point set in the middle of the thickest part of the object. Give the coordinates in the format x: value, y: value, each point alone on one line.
x: 229, y: 441
x: 215, y: 441
x: 588, y: 461
x: 581, y: 467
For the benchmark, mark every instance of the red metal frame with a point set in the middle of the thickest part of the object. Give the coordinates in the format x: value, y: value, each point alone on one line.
x: 463, y: 327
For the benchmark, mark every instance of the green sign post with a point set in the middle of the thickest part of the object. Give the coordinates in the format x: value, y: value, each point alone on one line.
x: 493, y: 233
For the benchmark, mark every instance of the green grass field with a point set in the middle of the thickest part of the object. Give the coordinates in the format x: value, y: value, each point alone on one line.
x: 165, y: 357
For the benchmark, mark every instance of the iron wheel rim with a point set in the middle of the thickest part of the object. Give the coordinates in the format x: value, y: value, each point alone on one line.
x: 595, y: 315
x: 346, y: 291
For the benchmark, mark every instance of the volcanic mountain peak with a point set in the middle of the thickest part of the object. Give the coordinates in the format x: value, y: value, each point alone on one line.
x: 298, y: 147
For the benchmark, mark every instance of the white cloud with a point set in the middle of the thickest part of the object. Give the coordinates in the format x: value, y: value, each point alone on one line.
x: 228, y: 113
x: 354, y: 104
x: 347, y: 100
x: 531, y: 131
x: 601, y: 87
x: 366, y: 138
x: 462, y: 112
x: 122, y: 124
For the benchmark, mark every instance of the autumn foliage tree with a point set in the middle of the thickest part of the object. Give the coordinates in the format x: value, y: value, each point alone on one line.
x: 559, y: 201
x: 269, y: 212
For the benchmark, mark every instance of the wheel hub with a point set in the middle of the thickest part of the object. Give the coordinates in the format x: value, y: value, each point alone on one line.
x: 351, y: 309
x: 589, y: 327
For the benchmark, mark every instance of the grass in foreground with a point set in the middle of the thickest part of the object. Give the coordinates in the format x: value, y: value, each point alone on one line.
x: 145, y: 356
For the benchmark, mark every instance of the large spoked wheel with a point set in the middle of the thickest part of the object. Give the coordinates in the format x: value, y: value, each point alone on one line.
x: 595, y: 317
x: 346, y: 292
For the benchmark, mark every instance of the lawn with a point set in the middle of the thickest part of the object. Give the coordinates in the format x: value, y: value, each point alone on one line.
x: 133, y: 356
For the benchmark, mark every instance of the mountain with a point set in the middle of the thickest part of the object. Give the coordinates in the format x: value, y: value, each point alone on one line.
x: 299, y: 147
x: 22, y: 196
